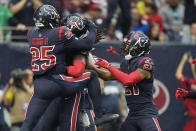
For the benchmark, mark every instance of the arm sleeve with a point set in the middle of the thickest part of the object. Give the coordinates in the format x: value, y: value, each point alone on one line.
x: 192, y: 94
x: 77, y: 69
x: 74, y: 42
x: 184, y: 82
x: 125, y: 79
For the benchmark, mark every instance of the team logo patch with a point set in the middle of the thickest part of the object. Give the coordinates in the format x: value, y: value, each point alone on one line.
x: 161, y: 96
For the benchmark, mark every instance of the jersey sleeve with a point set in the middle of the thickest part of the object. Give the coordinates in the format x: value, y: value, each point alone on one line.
x: 70, y: 41
x: 146, y: 63
x: 65, y: 34
x: 192, y: 94
x: 184, y: 81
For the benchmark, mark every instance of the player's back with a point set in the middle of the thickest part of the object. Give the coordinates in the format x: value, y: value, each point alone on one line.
x: 48, y: 47
x: 140, y: 96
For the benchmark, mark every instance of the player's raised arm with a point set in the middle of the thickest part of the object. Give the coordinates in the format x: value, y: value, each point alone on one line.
x: 190, y: 59
x: 180, y: 67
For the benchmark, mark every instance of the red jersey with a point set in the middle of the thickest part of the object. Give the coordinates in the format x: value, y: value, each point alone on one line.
x: 156, y: 18
x: 190, y: 85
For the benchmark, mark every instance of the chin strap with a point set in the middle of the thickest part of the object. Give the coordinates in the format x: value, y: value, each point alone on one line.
x: 128, y: 57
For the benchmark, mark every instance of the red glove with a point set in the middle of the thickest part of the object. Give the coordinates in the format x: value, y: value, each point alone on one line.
x: 181, y: 93
x: 103, y: 63
x: 77, y: 69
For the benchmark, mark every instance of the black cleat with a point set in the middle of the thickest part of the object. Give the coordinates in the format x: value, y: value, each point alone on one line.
x: 106, y: 118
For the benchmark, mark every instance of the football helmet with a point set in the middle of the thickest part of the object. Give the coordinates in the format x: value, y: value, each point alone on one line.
x: 76, y: 24
x: 46, y: 16
x: 135, y: 44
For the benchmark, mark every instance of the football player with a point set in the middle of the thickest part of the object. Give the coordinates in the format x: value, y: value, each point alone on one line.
x: 136, y: 74
x: 48, y: 46
x: 63, y: 108
x: 73, y: 113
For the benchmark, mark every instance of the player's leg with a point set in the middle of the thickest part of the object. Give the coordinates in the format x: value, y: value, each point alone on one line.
x: 94, y: 91
x: 148, y: 124
x: 69, y: 86
x: 129, y: 125
x: 50, y: 119
x: 44, y: 92
x: 36, y: 108
x: 69, y: 112
x: 72, y: 85
x: 90, y: 117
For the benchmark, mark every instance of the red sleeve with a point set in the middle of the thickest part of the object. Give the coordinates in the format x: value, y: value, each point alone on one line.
x: 77, y: 69
x: 192, y: 83
x: 125, y: 79
x: 184, y: 82
x: 194, y: 61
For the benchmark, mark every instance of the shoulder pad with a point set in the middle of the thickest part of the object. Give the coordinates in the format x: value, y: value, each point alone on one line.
x: 65, y: 33
x: 146, y: 63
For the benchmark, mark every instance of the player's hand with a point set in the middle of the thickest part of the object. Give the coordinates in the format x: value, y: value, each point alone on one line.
x: 21, y: 27
x: 181, y: 93
x: 89, y: 23
x: 100, y: 35
x: 103, y: 63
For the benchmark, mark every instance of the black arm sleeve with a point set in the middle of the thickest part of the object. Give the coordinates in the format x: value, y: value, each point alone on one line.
x: 83, y: 44
x: 13, y: 21
x: 192, y: 94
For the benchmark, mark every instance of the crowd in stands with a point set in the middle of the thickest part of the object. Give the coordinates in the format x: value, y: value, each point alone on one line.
x: 161, y: 20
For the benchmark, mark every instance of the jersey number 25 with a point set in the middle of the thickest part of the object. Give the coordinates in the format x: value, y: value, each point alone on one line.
x: 41, y: 54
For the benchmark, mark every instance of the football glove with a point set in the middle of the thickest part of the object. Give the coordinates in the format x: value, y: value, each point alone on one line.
x: 181, y: 93
x: 103, y: 63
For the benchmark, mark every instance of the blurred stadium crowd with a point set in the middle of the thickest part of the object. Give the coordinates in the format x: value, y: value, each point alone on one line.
x: 161, y: 20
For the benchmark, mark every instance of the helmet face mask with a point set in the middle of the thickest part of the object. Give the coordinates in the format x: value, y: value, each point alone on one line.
x: 46, y: 16
x: 136, y: 44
